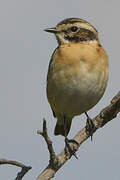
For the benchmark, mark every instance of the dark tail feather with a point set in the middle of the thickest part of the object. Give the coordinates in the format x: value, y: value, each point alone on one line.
x: 59, y: 128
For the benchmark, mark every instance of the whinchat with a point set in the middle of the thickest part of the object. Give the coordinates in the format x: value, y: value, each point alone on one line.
x: 78, y: 72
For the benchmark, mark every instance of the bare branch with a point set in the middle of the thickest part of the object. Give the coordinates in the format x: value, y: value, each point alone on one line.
x: 106, y: 115
x: 53, y: 157
x: 24, y: 170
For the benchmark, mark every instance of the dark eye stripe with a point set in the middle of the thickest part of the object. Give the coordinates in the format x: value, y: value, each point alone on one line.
x: 87, y: 35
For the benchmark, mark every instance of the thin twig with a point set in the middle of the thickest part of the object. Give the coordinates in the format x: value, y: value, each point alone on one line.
x: 106, y: 115
x: 53, y: 157
x: 24, y: 170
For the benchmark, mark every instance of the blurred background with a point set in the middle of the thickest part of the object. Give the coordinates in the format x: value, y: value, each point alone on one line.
x: 25, y: 51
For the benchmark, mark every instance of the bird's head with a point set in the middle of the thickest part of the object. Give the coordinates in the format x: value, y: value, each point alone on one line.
x: 74, y: 30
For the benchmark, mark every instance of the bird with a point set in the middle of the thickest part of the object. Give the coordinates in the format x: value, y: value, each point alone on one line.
x: 77, y: 73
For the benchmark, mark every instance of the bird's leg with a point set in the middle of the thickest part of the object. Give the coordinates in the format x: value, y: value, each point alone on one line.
x: 67, y: 141
x: 89, y: 126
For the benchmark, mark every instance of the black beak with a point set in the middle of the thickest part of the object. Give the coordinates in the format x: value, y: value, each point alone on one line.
x: 51, y: 30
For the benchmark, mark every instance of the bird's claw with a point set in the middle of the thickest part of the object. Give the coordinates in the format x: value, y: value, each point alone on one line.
x: 69, y: 149
x: 90, y: 127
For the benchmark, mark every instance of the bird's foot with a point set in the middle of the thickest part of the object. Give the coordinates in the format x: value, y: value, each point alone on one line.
x: 90, y: 127
x: 68, y: 147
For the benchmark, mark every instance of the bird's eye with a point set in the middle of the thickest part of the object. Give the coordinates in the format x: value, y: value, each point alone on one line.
x: 74, y: 28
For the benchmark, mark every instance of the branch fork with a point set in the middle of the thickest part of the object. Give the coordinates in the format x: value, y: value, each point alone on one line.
x: 57, y: 161
x: 53, y: 158
x: 23, y: 171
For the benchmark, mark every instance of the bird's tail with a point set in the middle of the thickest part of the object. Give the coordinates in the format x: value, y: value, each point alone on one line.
x: 59, y: 128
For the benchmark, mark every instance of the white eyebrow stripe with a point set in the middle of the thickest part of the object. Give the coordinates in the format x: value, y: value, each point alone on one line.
x: 86, y: 26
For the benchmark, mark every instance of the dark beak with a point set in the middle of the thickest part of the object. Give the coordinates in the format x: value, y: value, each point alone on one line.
x: 51, y: 30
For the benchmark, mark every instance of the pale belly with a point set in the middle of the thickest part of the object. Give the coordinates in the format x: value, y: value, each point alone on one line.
x: 73, y: 91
